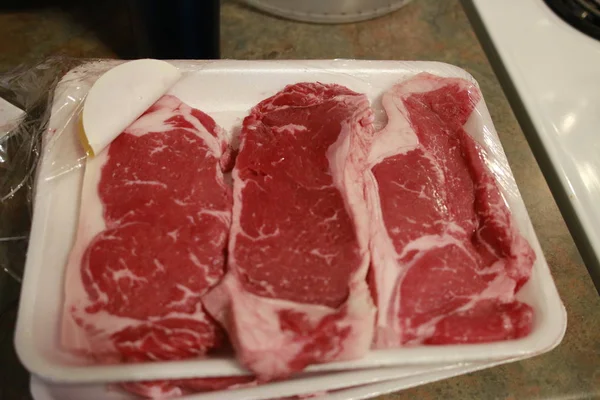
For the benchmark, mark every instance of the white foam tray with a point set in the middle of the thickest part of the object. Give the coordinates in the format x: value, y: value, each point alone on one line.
x: 296, y: 387
x: 227, y: 90
x: 341, y: 386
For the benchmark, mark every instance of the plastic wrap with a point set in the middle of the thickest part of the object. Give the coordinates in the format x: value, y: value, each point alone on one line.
x: 226, y: 90
x: 27, y: 97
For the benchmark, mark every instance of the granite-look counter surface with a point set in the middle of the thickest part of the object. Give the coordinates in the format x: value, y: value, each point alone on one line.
x: 423, y: 30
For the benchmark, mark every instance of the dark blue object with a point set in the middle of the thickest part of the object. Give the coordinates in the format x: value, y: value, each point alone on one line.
x: 176, y: 29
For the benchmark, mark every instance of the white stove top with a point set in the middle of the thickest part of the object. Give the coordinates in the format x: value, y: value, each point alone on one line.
x: 555, y: 69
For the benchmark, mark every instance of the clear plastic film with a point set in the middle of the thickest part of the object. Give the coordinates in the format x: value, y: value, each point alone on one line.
x: 40, y: 108
x: 25, y: 104
x: 226, y: 90
x: 27, y: 135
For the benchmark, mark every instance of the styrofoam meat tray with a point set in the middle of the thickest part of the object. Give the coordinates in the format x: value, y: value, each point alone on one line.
x: 328, y: 386
x: 226, y: 90
x: 320, y: 383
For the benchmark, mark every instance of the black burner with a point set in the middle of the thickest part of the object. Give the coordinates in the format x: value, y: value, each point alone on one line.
x: 581, y: 14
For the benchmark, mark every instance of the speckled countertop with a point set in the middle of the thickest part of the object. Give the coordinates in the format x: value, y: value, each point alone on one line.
x: 423, y: 30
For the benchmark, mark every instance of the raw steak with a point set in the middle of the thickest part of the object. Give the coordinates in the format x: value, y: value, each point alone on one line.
x: 153, y: 227
x: 447, y: 256
x: 296, y: 292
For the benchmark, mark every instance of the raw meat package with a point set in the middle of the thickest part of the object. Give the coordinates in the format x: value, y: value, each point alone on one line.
x: 329, y: 238
x: 153, y: 227
x: 447, y: 256
x: 295, y: 292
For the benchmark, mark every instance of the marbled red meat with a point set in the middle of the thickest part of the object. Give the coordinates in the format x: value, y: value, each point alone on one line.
x: 447, y: 255
x: 151, y: 240
x: 295, y: 293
